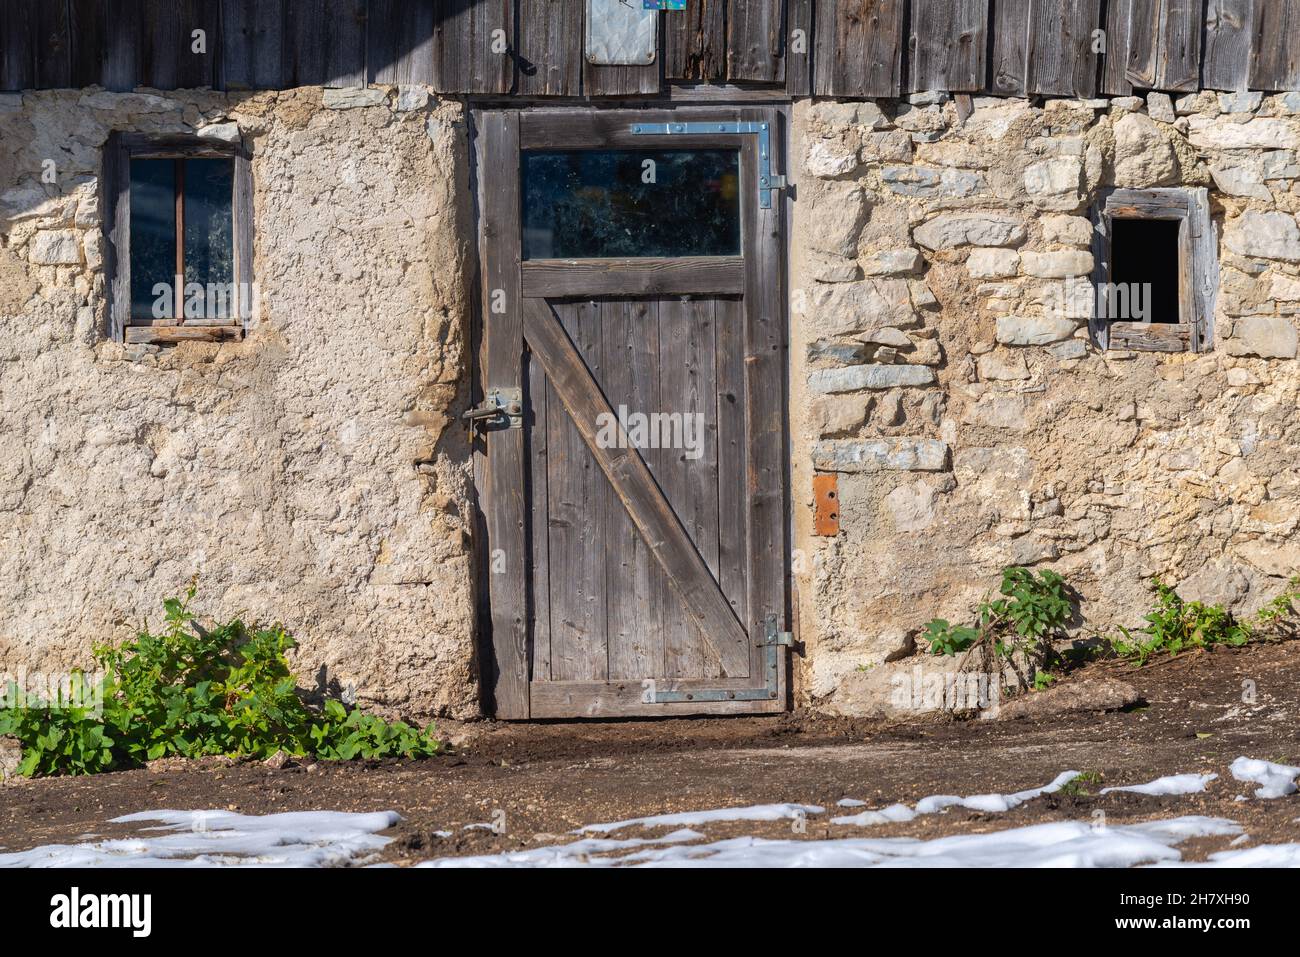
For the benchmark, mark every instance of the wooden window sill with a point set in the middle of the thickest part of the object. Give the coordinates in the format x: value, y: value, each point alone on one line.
x: 159, y: 335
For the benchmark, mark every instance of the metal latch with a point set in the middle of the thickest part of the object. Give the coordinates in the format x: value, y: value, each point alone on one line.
x: 501, y: 408
x: 767, y: 180
x: 772, y: 637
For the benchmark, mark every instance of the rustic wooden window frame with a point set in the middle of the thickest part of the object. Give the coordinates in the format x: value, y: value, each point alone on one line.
x: 116, y: 194
x: 1198, y: 269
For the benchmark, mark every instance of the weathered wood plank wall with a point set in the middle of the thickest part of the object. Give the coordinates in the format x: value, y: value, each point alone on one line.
x: 852, y: 48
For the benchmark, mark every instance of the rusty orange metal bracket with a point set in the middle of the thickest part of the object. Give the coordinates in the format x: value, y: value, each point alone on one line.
x: 826, y: 504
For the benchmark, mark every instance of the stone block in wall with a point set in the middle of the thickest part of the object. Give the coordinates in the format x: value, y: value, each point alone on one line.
x: 1055, y: 183
x: 927, y: 183
x: 1160, y: 107
x: 834, y: 414
x: 1261, y: 132
x: 828, y: 350
x: 349, y: 98
x: 223, y: 132
x: 1269, y: 337
x: 883, y: 455
x: 993, y: 263
x: 830, y: 159
x: 854, y: 307
x: 892, y: 146
x: 1280, y: 164
x: 1272, y: 235
x: 822, y: 269
x: 55, y: 247
x: 839, y: 210
x: 892, y: 262
x: 1066, y: 230
x: 1057, y: 264
x: 1143, y: 154
x: 1240, y: 176
x: 859, y: 377
x: 832, y: 115
x: 1002, y: 367
x: 1240, y: 101
x: 1034, y: 330
x: 950, y: 230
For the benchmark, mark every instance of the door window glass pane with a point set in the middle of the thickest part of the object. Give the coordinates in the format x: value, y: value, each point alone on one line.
x: 153, y: 236
x: 602, y: 203
x: 209, y: 238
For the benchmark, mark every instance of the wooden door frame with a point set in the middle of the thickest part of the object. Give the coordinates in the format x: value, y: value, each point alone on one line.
x: 758, y: 274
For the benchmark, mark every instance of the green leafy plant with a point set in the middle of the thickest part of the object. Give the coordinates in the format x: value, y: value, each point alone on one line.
x: 1029, y: 612
x: 1078, y: 785
x: 1177, y: 625
x: 191, y: 691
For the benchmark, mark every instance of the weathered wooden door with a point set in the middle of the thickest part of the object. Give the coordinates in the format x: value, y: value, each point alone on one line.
x: 632, y: 410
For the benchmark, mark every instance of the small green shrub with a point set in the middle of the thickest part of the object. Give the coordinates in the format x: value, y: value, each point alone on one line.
x: 1177, y: 625
x: 192, y: 692
x: 1031, y: 610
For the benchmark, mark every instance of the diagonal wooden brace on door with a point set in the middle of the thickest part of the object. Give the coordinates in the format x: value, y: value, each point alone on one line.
x: 631, y: 480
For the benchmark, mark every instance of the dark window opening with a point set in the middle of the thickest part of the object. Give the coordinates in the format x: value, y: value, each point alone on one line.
x: 599, y: 204
x: 182, y: 227
x: 1144, y: 270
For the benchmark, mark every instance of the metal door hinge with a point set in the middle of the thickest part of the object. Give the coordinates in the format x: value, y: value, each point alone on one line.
x: 772, y: 637
x: 500, y: 408
x: 767, y: 180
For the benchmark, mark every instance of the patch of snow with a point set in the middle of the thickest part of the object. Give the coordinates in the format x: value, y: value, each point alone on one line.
x: 223, y: 838
x: 578, y: 854
x: 1275, y: 780
x: 1170, y: 784
x: 895, y: 813
x: 850, y: 802
x: 1058, y: 844
x: 987, y: 803
x: 757, y: 812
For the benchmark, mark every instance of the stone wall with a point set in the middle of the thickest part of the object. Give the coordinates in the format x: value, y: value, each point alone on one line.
x: 313, y: 473
x: 971, y: 421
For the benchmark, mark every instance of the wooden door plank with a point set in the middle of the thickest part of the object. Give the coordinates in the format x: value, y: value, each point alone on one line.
x: 121, y: 70
x: 1225, y: 64
x: 632, y: 482
x: 1275, y: 46
x: 1009, y: 71
x: 576, y: 520
x: 687, y: 388
x: 729, y: 318
x: 947, y: 44
x: 1061, y: 60
x: 625, y: 699
x: 86, y: 35
x: 400, y: 41
x: 550, y: 48
x: 474, y: 41
x: 499, y: 254
x: 756, y: 41
x: 630, y: 377
x: 695, y: 41
x: 537, y: 424
x: 252, y: 44
x: 1164, y: 44
x: 327, y: 42
x: 799, y: 47
x: 765, y: 390
x: 1115, y: 60
x: 859, y: 47
x: 18, y: 45
x: 53, y: 46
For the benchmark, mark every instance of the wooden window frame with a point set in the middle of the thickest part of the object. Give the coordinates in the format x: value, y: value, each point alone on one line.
x: 1198, y: 269
x: 116, y: 193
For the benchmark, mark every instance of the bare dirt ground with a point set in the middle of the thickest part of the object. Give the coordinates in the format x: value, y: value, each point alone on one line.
x: 551, y: 778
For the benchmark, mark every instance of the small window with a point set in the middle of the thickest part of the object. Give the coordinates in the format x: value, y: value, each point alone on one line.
x: 1156, y: 271
x: 181, y: 240
x: 599, y: 204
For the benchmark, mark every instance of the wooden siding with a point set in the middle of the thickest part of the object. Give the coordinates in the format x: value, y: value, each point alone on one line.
x: 849, y: 48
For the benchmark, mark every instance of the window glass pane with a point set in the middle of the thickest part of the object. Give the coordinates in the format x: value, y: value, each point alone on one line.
x: 209, y: 235
x: 153, y: 236
x: 595, y: 204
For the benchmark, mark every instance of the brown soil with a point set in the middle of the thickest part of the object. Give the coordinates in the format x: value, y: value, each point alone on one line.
x: 551, y: 778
